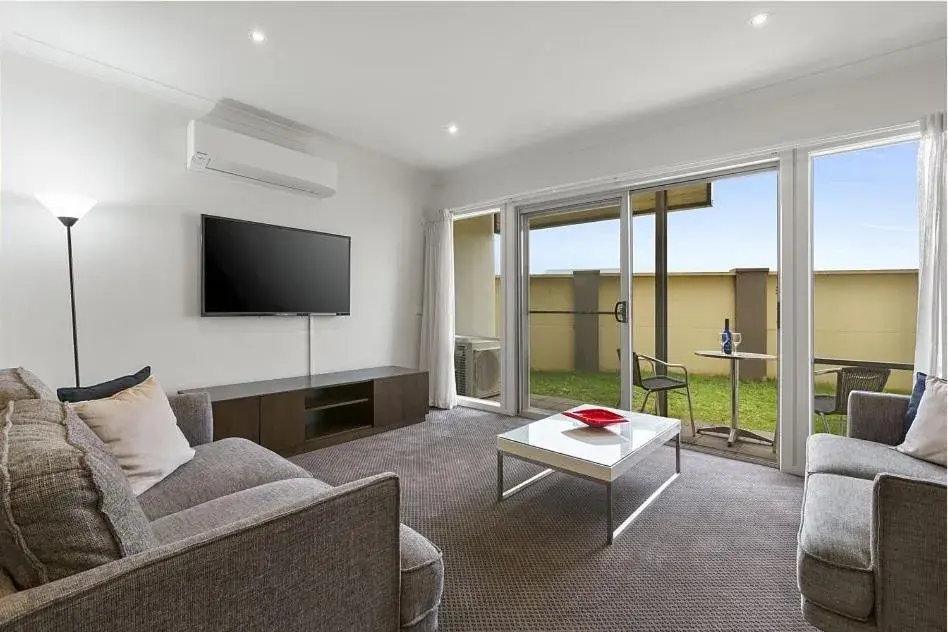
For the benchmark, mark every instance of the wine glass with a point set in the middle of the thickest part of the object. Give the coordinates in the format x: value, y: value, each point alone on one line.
x: 736, y: 340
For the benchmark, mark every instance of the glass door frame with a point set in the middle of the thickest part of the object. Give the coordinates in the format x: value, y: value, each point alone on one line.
x: 524, y: 213
x: 507, y: 402
x: 803, y: 159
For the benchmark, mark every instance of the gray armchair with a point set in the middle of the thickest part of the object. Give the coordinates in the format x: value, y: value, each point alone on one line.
x: 872, y: 548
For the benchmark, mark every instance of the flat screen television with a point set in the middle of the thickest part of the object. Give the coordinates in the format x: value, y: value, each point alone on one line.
x: 253, y: 269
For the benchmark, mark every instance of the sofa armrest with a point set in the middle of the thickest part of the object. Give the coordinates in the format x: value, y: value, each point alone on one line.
x: 878, y: 417
x: 193, y: 411
x: 908, y: 552
x: 326, y: 563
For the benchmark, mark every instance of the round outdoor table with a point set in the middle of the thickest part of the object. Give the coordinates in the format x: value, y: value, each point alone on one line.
x: 734, y: 432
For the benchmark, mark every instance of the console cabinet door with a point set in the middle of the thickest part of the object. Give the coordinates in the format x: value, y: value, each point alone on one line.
x: 283, y: 421
x: 415, y: 397
x: 387, y: 401
x: 237, y: 418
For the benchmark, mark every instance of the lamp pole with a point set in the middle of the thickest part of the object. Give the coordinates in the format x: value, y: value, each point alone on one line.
x: 68, y: 222
x: 68, y: 208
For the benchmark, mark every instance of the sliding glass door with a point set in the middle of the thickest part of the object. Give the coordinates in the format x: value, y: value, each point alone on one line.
x: 575, y: 325
x: 865, y: 275
x: 662, y: 268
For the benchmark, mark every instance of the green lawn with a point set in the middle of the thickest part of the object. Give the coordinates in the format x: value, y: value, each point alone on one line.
x: 710, y: 396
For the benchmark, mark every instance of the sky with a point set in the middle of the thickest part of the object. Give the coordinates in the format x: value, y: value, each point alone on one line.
x: 864, y: 218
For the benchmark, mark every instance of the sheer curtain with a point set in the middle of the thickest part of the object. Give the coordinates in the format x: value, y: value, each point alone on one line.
x: 930, y: 340
x: 437, y: 312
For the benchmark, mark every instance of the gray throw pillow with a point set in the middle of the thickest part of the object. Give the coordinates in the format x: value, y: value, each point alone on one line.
x: 18, y: 383
x: 65, y: 505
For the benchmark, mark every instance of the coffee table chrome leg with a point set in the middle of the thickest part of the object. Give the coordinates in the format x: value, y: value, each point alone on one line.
x: 612, y: 534
x: 501, y: 494
x: 609, y: 534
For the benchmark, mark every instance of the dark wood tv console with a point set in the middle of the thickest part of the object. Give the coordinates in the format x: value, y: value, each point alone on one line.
x: 297, y: 414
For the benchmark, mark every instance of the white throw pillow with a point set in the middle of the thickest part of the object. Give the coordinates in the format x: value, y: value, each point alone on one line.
x: 140, y: 429
x: 928, y: 435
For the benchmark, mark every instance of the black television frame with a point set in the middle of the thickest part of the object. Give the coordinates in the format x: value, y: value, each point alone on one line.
x: 206, y: 314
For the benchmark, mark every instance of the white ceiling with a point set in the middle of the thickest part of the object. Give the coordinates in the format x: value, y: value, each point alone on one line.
x: 391, y: 76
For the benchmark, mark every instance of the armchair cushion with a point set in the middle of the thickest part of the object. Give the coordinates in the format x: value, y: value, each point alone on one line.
x: 65, y: 505
x: 918, y: 389
x: 217, y: 469
x: 830, y: 454
x: 834, y: 562
x: 928, y: 435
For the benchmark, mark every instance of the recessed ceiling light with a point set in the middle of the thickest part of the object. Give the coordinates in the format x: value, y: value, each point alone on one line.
x: 760, y: 19
x: 257, y: 36
x: 452, y: 129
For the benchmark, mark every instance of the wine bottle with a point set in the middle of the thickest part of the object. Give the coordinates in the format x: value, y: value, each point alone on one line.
x: 726, y: 339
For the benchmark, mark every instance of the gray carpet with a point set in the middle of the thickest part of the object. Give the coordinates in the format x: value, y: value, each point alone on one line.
x: 715, y: 552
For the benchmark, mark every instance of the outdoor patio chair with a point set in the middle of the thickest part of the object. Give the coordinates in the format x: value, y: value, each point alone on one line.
x: 661, y: 383
x: 848, y: 379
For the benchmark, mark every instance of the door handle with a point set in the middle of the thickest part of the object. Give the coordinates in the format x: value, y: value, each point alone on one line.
x: 619, y: 312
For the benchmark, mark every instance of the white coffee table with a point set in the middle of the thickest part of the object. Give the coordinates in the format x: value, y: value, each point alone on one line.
x: 563, y: 444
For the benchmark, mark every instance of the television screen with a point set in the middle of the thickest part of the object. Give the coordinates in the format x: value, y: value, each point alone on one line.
x: 258, y: 269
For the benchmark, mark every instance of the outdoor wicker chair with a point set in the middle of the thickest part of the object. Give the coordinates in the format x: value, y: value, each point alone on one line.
x: 848, y: 379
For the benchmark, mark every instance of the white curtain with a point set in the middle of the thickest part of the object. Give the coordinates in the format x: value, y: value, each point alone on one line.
x: 932, y: 326
x: 437, y: 312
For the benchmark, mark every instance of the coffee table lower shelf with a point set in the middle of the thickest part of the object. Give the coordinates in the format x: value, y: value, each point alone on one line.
x: 611, y: 533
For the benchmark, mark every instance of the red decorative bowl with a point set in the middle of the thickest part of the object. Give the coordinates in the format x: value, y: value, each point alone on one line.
x: 595, y: 417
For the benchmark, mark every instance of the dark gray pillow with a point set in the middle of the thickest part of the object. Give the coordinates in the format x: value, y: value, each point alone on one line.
x: 103, y: 390
x: 65, y: 505
x: 19, y: 383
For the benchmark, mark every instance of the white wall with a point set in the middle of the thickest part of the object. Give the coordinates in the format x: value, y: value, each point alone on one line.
x: 137, y: 252
x: 891, y: 90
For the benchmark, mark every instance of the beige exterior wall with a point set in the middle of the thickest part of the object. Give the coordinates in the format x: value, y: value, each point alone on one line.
x: 858, y: 316
x: 474, y: 297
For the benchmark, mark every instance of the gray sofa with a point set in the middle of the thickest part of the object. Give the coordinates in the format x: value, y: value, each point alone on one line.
x: 249, y: 541
x: 871, y: 552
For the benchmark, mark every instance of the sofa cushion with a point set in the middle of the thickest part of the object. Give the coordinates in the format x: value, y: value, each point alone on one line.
x: 103, y: 389
x: 65, y: 506
x: 422, y: 581
x: 233, y: 507
x: 217, y: 469
x: 830, y: 454
x: 18, y: 383
x: 834, y: 565
x: 918, y: 389
x: 140, y: 429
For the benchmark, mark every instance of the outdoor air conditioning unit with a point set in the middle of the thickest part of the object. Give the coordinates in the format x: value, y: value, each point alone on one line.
x: 477, y: 366
x: 216, y: 149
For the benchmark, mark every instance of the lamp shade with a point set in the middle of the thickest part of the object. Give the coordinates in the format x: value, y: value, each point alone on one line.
x: 68, y: 205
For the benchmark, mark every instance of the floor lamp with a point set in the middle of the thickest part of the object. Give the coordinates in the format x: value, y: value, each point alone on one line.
x: 69, y: 209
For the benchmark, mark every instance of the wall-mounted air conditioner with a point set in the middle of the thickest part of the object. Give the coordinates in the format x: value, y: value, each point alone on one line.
x: 219, y: 150
x: 477, y: 366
